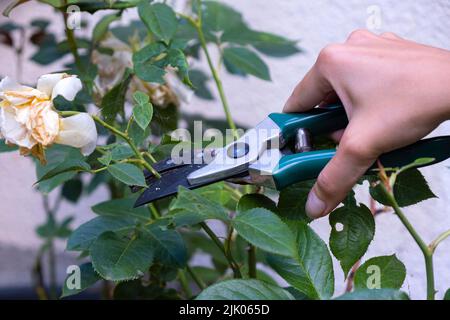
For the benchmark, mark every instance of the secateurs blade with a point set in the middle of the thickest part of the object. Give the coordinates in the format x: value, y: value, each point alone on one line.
x: 260, y: 158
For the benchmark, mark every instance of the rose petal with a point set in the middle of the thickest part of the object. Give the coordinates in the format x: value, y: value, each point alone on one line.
x: 67, y: 87
x: 47, y: 82
x: 17, y: 94
x: 78, y: 131
x: 13, y: 131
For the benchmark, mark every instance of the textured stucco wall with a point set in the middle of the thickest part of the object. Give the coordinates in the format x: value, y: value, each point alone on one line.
x: 315, y: 24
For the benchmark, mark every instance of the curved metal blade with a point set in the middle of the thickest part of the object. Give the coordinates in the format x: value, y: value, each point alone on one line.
x: 168, y: 184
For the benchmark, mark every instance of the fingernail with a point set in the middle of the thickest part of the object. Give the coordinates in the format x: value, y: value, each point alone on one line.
x: 314, y: 206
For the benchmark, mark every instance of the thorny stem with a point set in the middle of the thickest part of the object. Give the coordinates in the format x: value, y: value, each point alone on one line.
x: 233, y: 265
x: 426, y: 251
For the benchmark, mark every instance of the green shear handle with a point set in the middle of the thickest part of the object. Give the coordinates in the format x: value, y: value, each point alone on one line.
x: 308, y: 165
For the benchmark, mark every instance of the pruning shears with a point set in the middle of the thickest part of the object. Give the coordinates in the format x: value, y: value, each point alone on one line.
x: 263, y: 157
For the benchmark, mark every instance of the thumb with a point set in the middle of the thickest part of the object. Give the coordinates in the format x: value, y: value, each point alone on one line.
x: 351, y: 162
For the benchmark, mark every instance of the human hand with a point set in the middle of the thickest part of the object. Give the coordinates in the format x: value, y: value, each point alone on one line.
x: 394, y: 91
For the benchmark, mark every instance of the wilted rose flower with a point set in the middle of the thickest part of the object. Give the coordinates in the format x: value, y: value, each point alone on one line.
x: 28, y: 118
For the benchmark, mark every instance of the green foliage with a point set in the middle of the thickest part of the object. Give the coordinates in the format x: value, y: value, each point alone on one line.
x: 118, y: 257
x: 63, y: 163
x: 291, y: 205
x: 88, y: 277
x: 244, y: 290
x: 143, y: 110
x: 311, y: 270
x: 265, y: 230
x: 256, y: 200
x: 121, y: 208
x: 447, y: 295
x: 410, y: 188
x: 83, y: 237
x: 375, y: 294
x: 387, y: 270
x: 191, y: 207
x: 168, y: 245
x: 147, y: 252
x: 353, y: 228
x: 247, y: 62
x: 160, y: 19
x: 5, y: 148
x: 102, y: 27
x: 113, y: 102
x: 128, y: 174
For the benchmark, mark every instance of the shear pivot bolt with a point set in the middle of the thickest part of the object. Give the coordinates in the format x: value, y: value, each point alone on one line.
x: 238, y: 150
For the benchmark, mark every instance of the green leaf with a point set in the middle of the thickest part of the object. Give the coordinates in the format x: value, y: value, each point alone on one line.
x: 70, y: 165
x: 143, y: 111
x: 168, y: 245
x: 191, y: 208
x: 5, y: 148
x: 311, y: 271
x: 199, y: 81
x: 121, y: 208
x: 352, y: 231
x: 160, y: 19
x: 267, y: 43
x: 247, y: 61
x: 121, y: 152
x: 102, y: 26
x: 265, y: 230
x: 256, y: 200
x: 88, y: 277
x: 120, y: 258
x: 113, y: 102
x: 177, y: 59
x: 58, y: 156
x: 83, y: 237
x: 128, y: 174
x: 291, y: 205
x: 144, y: 63
x: 141, y: 97
x: 244, y: 290
x: 72, y: 190
x: 374, y: 294
x: 421, y: 162
x: 219, y: 17
x: 447, y: 295
x: 386, y: 272
x: 411, y: 188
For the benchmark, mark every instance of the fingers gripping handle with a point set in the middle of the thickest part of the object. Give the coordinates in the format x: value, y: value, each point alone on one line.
x: 306, y: 166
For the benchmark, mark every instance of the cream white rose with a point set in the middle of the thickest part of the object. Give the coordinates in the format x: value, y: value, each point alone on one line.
x: 29, y: 120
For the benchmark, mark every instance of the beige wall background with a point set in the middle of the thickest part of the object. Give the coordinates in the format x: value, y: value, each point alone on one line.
x: 315, y: 24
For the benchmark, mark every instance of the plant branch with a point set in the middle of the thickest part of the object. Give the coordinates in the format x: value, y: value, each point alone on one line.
x: 426, y: 251
x: 196, y: 279
x: 72, y: 43
x: 438, y: 240
x: 252, y: 261
x: 198, y: 26
x: 219, y: 244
